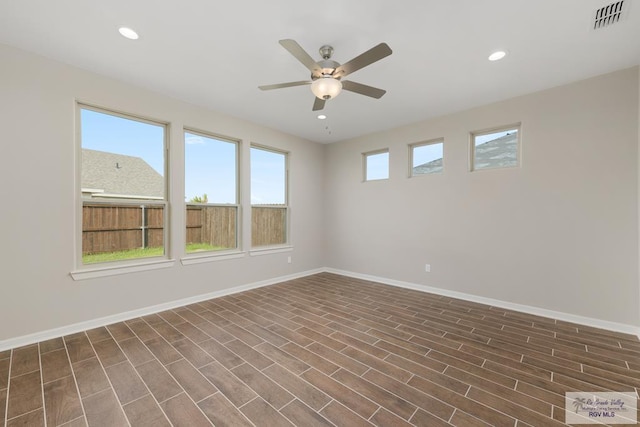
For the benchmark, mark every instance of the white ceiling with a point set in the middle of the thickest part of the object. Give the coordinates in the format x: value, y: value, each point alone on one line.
x: 216, y: 53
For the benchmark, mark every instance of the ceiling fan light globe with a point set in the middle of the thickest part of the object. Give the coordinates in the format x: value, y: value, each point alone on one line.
x: 326, y: 87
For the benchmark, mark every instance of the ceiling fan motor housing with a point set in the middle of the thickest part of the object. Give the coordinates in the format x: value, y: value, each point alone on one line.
x: 327, y: 68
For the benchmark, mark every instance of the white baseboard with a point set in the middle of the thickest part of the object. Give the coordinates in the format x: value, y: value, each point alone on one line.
x: 582, y: 320
x: 103, y: 321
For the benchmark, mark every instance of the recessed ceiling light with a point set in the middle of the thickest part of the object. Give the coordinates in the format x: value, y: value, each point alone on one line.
x: 128, y: 33
x: 322, y: 117
x: 497, y: 55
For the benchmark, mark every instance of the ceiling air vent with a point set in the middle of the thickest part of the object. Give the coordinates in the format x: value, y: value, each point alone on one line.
x: 608, y: 15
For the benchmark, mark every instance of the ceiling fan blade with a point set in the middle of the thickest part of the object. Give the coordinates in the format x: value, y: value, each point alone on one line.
x: 318, y: 104
x: 371, y: 91
x: 369, y: 57
x: 281, y: 85
x: 300, y: 54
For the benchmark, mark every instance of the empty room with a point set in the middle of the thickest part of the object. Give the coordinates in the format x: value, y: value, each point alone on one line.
x: 359, y: 213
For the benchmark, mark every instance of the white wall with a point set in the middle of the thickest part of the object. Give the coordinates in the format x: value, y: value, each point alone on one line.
x: 560, y: 232
x: 37, y: 224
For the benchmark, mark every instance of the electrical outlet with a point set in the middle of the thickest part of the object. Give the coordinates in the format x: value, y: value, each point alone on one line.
x: 289, y: 260
x: 427, y: 268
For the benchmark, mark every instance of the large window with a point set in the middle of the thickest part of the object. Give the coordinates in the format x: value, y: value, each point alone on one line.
x: 269, y: 200
x: 426, y: 158
x: 376, y: 165
x: 211, y: 190
x: 123, y: 186
x: 497, y: 148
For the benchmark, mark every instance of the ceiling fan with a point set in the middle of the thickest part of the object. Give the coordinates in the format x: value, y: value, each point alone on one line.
x: 326, y: 74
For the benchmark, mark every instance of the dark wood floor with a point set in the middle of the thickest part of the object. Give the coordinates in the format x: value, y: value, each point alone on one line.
x: 321, y: 350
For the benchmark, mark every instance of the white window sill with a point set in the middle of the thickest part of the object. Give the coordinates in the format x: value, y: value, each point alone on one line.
x: 104, y: 271
x: 270, y: 250
x: 211, y: 257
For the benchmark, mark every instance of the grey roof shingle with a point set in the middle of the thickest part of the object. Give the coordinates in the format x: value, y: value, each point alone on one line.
x: 434, y: 166
x: 119, y: 175
x: 498, y: 153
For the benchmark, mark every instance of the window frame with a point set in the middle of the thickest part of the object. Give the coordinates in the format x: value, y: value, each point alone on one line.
x: 472, y: 147
x: 287, y: 202
x: 238, y: 205
x: 366, y: 155
x: 107, y: 268
x: 415, y: 145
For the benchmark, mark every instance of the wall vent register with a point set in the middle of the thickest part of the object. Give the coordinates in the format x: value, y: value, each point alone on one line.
x: 609, y: 15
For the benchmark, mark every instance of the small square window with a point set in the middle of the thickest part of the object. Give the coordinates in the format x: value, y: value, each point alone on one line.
x: 376, y: 165
x: 498, y: 148
x: 426, y: 157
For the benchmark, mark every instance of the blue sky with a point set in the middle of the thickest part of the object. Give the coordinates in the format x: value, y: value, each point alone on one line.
x: 377, y: 166
x: 426, y: 153
x: 210, y: 168
x: 481, y: 139
x: 268, y: 177
x: 112, y: 134
x: 210, y: 163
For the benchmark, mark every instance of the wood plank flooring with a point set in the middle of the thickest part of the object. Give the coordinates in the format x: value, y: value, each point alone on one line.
x: 317, y: 351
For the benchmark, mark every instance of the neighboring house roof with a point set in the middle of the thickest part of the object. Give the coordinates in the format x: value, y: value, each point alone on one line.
x: 496, y: 153
x: 116, y: 175
x: 433, y: 166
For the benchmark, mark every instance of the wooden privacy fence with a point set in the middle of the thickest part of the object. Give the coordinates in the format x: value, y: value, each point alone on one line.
x: 111, y: 228
x: 268, y: 225
x: 215, y: 225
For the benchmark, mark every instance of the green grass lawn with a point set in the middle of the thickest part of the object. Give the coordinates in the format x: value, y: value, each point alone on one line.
x: 141, y: 253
